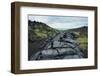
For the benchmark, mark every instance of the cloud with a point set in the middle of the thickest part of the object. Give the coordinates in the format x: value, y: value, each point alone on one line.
x: 39, y: 18
x: 61, y: 22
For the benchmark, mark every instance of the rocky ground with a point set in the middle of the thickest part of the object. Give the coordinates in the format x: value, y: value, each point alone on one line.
x: 61, y: 46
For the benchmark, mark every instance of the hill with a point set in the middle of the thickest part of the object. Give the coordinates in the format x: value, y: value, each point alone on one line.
x: 82, y: 38
x: 83, y: 31
x: 39, y: 30
x: 38, y: 33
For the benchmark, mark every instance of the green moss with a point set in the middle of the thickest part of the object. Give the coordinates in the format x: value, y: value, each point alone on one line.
x: 83, y: 42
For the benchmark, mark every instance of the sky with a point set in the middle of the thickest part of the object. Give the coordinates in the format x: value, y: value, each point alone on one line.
x: 61, y: 22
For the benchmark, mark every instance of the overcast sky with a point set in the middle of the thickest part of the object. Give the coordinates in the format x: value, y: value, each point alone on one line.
x: 61, y: 22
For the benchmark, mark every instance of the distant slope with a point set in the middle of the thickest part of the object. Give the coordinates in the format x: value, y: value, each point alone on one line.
x: 83, y: 28
x: 83, y: 31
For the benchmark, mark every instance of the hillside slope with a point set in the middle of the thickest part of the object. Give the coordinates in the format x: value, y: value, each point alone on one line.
x: 38, y: 33
x: 82, y: 38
